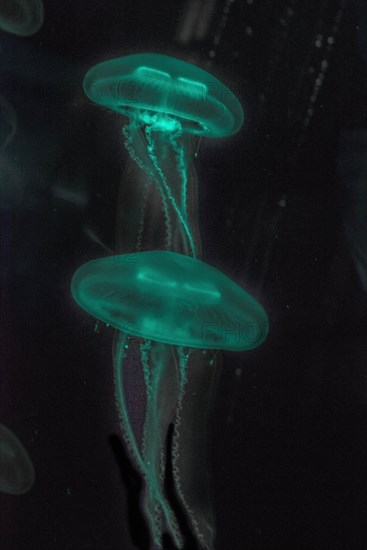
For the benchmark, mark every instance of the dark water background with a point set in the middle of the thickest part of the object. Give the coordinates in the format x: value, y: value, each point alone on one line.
x: 283, y: 211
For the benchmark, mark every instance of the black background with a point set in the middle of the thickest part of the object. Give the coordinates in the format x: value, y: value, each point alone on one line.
x: 289, y: 428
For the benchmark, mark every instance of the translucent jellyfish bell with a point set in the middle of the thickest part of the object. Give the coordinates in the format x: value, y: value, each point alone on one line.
x: 168, y: 103
x: 21, y: 17
x: 174, y: 303
x: 171, y: 298
x: 16, y: 468
x: 158, y: 89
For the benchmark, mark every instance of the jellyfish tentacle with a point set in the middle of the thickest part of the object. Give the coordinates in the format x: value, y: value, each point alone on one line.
x: 129, y: 131
x: 182, y: 168
x: 183, y: 359
x: 181, y: 161
x: 152, y: 168
x: 199, y: 374
x: 167, y: 190
x: 154, y: 489
x: 139, y: 241
x: 10, y: 117
x: 119, y: 354
x: 132, y: 136
x: 162, y: 387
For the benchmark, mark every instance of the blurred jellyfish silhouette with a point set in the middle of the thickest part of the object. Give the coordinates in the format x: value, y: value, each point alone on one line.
x: 16, y: 468
x: 8, y: 119
x: 195, y: 20
x: 11, y: 181
x: 21, y: 17
x: 171, y: 311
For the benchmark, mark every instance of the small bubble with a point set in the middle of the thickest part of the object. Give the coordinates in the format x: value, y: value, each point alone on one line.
x: 212, y: 53
x: 330, y: 40
x: 318, y: 41
x: 324, y: 63
x: 282, y: 203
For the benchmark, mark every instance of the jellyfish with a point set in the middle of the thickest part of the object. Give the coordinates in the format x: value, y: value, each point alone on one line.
x: 169, y: 104
x: 8, y: 119
x: 16, y: 468
x: 174, y: 306
x: 21, y: 17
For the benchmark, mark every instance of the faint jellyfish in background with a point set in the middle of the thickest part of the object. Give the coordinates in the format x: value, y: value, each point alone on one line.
x: 11, y: 177
x: 8, y: 119
x: 21, y: 17
x: 195, y: 21
x: 182, y: 311
x: 16, y: 468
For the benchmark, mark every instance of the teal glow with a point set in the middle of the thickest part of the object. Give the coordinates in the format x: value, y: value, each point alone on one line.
x: 16, y: 468
x: 152, y: 82
x: 147, y: 295
x: 151, y: 278
x: 148, y: 458
x: 172, y: 311
x: 21, y: 17
x: 167, y: 101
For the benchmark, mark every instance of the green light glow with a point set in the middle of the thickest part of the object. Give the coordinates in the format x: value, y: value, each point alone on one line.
x: 21, y: 17
x: 160, y: 123
x: 151, y: 278
x: 165, y: 99
x: 177, y: 305
x: 148, y: 460
x: 164, y: 84
x: 147, y: 72
x: 148, y: 295
x: 16, y: 468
